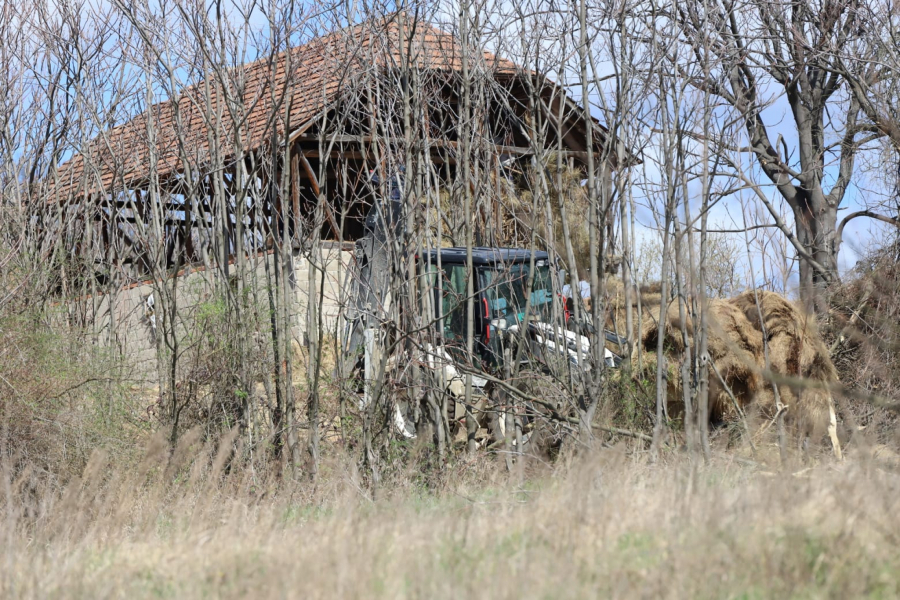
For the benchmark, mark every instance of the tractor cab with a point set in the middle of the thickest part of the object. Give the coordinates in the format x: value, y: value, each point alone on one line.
x: 513, y: 289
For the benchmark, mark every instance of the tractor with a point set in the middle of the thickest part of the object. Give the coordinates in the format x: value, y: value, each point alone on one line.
x: 520, y: 321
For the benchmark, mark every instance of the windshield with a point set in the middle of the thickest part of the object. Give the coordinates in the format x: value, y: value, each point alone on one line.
x: 507, y: 292
x: 505, y: 289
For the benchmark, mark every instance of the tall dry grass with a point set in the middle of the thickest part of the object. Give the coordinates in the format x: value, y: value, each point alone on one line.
x: 607, y: 524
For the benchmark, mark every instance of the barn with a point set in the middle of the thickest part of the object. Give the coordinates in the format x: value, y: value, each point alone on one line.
x: 294, y: 146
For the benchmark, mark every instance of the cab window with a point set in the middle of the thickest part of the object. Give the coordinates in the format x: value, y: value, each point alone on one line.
x: 508, y: 293
x: 452, y: 300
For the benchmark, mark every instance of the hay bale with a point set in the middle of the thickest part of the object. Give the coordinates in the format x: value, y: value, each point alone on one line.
x: 795, y: 349
x: 739, y: 333
x: 616, y: 308
x: 644, y: 358
x: 733, y: 345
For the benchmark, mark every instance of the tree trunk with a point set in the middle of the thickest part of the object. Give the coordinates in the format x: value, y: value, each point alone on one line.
x: 816, y: 232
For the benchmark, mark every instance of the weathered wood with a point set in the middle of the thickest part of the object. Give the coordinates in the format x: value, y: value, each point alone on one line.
x: 314, y: 181
x: 295, y: 193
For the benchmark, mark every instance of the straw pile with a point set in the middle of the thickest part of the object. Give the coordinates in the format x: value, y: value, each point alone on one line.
x: 741, y: 333
x: 651, y: 296
x: 795, y: 349
x: 733, y: 345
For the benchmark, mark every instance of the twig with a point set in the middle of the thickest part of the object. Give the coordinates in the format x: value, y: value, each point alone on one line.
x: 737, y: 407
x: 626, y: 432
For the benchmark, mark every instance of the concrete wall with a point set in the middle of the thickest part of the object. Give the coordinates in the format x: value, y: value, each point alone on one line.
x: 134, y: 318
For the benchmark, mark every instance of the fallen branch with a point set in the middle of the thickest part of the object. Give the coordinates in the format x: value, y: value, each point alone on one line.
x: 833, y: 388
x: 626, y: 432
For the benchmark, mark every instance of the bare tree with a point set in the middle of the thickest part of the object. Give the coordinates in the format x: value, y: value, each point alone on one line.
x: 759, y: 45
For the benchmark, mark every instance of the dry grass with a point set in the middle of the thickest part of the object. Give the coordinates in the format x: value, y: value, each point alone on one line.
x: 603, y: 525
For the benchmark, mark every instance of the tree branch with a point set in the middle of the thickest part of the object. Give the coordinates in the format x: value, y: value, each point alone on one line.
x: 779, y: 222
x: 863, y: 213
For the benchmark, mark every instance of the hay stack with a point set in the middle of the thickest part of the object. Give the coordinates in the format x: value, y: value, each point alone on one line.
x: 796, y: 350
x: 736, y: 347
x: 651, y: 296
x: 733, y: 345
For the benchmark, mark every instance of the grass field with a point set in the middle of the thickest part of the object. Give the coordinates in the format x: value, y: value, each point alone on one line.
x: 603, y: 525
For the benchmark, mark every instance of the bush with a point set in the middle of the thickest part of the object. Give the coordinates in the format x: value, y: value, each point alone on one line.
x: 62, y: 398
x: 864, y: 334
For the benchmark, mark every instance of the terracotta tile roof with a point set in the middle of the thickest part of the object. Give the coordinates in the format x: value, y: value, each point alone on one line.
x: 317, y: 73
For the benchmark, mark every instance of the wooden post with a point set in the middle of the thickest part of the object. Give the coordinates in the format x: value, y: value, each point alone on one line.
x: 295, y: 193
